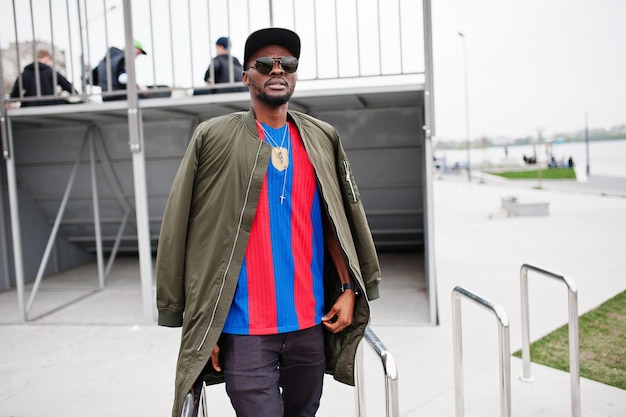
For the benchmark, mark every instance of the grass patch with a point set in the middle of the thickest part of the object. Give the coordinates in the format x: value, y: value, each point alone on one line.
x: 546, y: 174
x: 602, y: 341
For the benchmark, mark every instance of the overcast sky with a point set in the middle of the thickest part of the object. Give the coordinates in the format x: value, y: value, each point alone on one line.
x: 532, y: 65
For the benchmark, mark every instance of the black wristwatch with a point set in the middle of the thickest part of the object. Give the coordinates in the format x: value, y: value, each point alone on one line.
x: 350, y: 286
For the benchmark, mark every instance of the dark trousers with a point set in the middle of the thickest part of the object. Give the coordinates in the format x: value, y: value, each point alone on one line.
x: 275, y: 375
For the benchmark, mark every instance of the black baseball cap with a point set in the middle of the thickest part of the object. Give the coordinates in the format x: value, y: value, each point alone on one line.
x: 271, y: 36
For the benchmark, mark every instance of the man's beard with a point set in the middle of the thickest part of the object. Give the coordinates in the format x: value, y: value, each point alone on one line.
x: 276, y: 101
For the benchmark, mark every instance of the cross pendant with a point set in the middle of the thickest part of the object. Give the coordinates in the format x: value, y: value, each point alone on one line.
x: 282, y: 198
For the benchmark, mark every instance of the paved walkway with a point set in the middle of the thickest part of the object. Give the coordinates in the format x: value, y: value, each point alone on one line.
x: 96, y: 357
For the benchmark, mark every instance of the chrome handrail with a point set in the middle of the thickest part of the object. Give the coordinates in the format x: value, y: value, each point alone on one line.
x: 504, y: 350
x: 574, y: 353
x: 391, y: 376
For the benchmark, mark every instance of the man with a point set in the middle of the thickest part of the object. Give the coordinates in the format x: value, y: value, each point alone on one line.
x: 219, y: 71
x: 117, y: 65
x: 47, y: 86
x: 265, y: 257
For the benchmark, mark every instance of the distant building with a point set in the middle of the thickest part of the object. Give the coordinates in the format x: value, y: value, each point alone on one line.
x: 17, y: 56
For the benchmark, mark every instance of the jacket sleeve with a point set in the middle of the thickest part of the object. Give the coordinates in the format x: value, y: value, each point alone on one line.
x: 15, y: 92
x: 65, y: 84
x: 171, y: 251
x: 359, y: 227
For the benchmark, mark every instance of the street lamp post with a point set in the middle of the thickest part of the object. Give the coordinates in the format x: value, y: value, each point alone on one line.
x: 587, y: 142
x: 467, y: 125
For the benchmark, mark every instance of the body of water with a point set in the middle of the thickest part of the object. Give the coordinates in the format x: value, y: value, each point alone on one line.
x: 606, y: 158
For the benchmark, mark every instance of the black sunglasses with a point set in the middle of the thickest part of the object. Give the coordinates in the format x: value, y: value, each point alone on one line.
x: 265, y: 64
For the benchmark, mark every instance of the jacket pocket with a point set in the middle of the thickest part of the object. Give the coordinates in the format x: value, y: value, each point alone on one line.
x: 349, y: 185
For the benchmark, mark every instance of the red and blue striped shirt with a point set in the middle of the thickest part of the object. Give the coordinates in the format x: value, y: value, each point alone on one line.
x: 280, y: 287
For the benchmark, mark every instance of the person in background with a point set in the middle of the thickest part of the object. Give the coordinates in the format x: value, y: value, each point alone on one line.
x: 219, y: 70
x: 119, y: 78
x: 265, y: 256
x: 570, y: 162
x: 47, y: 86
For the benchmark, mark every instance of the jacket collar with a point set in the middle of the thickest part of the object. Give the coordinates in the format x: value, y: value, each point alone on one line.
x: 250, y: 120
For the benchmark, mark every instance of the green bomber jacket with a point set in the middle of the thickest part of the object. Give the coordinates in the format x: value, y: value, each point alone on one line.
x: 205, y: 231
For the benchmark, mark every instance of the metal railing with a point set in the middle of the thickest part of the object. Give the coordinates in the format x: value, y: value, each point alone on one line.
x: 344, y: 39
x: 574, y: 353
x: 391, y: 377
x: 504, y: 350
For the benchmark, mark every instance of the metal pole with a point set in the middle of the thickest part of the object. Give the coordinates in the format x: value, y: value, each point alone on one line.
x: 171, y: 28
x: 96, y: 209
x: 380, y: 44
x: 20, y: 78
x: 153, y: 52
x: 16, y: 234
x: 503, y: 344
x: 271, y: 7
x: 70, y: 62
x: 139, y: 169
x: 83, y: 68
x: 3, y: 134
x: 429, y: 134
x: 457, y: 347
x: 574, y: 349
x: 359, y: 376
x: 53, y: 48
x: 191, y: 54
x: 3, y: 113
x: 34, y: 45
x: 587, y: 142
x: 467, y: 123
x: 526, y: 375
x: 390, y: 370
x: 391, y: 373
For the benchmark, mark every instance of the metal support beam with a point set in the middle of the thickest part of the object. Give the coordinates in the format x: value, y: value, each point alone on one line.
x: 55, y: 230
x: 5, y: 152
x: 96, y: 208
x: 429, y: 134
x: 16, y: 233
x: 135, y: 130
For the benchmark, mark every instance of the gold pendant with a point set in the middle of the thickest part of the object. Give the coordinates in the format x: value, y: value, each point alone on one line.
x: 280, y: 158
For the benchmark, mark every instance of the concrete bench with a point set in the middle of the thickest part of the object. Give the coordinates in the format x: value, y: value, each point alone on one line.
x: 514, y: 206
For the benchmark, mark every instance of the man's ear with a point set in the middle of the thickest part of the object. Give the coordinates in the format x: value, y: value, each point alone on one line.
x: 244, y: 78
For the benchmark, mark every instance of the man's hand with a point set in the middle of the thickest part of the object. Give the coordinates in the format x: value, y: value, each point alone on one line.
x: 215, y: 358
x: 340, y: 315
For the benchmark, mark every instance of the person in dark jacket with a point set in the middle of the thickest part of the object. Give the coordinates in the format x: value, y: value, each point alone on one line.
x: 117, y: 65
x: 47, y: 86
x: 219, y: 71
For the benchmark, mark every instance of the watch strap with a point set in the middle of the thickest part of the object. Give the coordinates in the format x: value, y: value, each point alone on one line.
x: 350, y: 286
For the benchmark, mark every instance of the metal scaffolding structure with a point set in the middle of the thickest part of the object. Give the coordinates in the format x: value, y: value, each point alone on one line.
x: 353, y: 65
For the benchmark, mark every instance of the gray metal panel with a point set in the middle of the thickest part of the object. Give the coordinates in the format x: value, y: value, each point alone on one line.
x: 385, y: 149
x: 380, y: 129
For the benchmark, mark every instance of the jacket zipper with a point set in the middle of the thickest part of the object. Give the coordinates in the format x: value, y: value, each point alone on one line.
x: 232, y: 252
x: 346, y: 166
